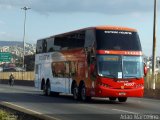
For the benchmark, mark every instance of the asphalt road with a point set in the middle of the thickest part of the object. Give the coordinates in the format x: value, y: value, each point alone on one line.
x: 64, y: 107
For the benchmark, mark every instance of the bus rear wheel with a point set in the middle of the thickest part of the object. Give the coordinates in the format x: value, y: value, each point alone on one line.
x: 44, y: 89
x: 83, y: 93
x: 75, y: 92
x: 55, y: 94
x: 122, y: 99
x: 48, y: 89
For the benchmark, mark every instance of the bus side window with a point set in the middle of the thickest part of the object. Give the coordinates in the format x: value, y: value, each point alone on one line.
x: 62, y: 69
x: 51, y: 50
x: 44, y: 45
x: 39, y: 47
x: 88, y: 58
x: 50, y: 44
x: 36, y: 71
x: 73, y: 69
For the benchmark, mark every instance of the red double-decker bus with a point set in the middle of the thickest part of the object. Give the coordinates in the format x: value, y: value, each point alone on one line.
x: 102, y: 61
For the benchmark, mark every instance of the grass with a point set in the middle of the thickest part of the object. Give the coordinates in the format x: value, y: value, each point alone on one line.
x: 7, y: 116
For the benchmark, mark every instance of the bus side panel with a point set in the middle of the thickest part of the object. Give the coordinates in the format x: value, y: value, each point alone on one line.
x: 38, y: 76
x: 63, y: 85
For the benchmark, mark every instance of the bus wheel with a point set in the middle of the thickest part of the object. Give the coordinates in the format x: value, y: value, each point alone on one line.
x: 83, y: 93
x: 55, y: 94
x: 112, y: 98
x: 48, y: 89
x: 122, y: 99
x: 75, y: 92
x: 44, y: 89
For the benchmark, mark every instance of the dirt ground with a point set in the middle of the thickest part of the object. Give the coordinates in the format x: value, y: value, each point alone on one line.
x: 150, y: 93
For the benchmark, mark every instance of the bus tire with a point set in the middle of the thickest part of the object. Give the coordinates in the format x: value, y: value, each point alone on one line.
x: 83, y: 93
x: 48, y: 89
x: 112, y: 98
x: 75, y: 91
x: 55, y: 94
x: 44, y: 89
x: 122, y: 99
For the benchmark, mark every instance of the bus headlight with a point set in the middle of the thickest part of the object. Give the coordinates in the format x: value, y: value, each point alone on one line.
x: 139, y: 86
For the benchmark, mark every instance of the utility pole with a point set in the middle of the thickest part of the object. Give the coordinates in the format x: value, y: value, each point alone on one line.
x: 24, y: 33
x: 154, y: 45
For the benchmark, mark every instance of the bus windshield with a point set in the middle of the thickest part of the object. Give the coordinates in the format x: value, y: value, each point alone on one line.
x: 116, y: 66
x: 117, y: 40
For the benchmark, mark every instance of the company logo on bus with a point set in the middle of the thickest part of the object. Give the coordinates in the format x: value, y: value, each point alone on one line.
x: 129, y: 84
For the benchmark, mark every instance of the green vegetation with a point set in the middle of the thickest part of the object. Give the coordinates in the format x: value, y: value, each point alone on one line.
x: 7, y: 116
x: 149, y: 80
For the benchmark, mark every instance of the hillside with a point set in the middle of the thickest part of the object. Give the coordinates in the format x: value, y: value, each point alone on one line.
x: 16, y: 47
x: 10, y: 43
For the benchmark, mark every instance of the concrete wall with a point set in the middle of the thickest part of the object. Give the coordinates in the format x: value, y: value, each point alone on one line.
x: 21, y: 78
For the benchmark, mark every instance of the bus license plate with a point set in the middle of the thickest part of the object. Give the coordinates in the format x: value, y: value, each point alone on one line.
x: 122, y: 93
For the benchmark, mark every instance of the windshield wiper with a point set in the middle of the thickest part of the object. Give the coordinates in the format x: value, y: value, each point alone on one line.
x: 110, y: 76
x: 131, y: 76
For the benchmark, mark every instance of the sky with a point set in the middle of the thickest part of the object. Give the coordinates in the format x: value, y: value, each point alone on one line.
x: 51, y: 17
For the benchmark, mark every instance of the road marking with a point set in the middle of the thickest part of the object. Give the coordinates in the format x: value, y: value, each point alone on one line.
x: 124, y: 111
x: 32, y: 112
x: 145, y: 99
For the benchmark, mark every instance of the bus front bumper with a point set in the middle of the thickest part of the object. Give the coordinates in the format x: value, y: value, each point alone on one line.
x: 110, y: 92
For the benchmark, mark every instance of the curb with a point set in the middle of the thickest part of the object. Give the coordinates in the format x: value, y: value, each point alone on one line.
x: 27, y: 111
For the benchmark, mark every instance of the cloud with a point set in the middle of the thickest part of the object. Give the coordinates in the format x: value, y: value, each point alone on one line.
x: 68, y: 6
x: 99, y: 6
x: 2, y: 33
x: 8, y: 36
x: 2, y: 22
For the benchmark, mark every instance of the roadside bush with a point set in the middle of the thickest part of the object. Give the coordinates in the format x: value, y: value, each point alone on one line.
x: 6, y: 116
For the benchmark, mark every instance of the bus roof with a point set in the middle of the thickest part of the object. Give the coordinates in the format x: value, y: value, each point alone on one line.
x: 104, y: 27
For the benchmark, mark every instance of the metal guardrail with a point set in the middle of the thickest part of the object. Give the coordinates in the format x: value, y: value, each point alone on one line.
x: 18, y: 75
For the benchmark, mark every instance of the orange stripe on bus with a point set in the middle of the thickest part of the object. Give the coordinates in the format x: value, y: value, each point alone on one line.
x: 115, y: 28
x: 119, y: 52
